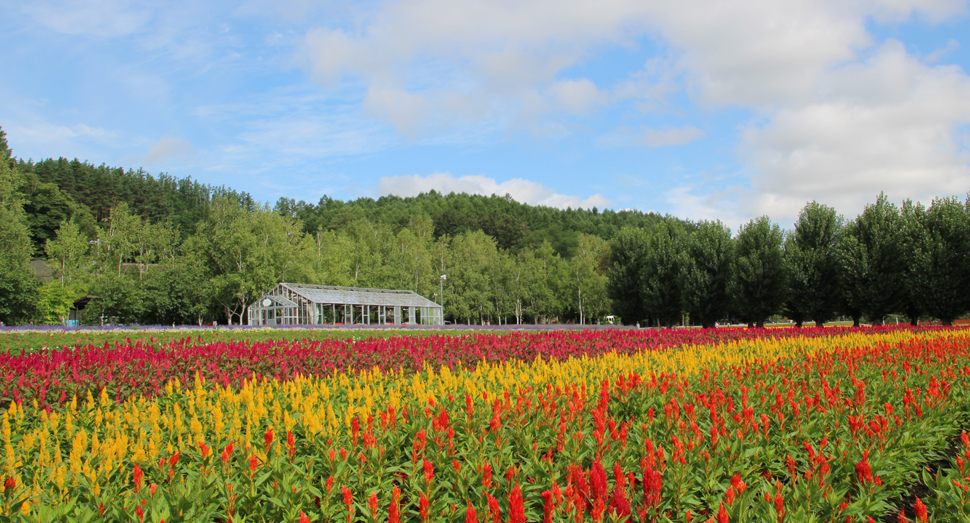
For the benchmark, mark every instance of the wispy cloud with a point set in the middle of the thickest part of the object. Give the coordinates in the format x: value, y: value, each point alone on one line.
x: 521, y: 190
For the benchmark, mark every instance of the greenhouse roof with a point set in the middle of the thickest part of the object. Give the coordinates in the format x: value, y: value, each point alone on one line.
x: 359, y: 296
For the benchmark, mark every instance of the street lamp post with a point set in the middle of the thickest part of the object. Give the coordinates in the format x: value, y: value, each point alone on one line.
x: 441, y: 296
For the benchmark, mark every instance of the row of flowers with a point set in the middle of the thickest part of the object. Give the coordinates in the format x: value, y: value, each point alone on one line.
x: 773, y: 428
x: 53, y: 374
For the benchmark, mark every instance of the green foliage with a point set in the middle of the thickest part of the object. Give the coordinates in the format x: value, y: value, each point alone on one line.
x: 811, y: 252
x: 246, y: 252
x: 55, y: 300
x: 761, y: 282
x: 937, y: 251
x: 707, y: 273
x: 587, y: 272
x: 474, y: 257
x: 47, y: 207
x: 18, y: 286
x: 67, y: 253
x: 663, y: 262
x: 872, y: 261
x: 628, y: 252
x: 177, y: 292
x: 99, y: 189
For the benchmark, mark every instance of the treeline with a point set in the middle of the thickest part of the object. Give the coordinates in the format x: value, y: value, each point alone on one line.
x: 911, y: 261
x: 162, y: 250
x: 211, y: 252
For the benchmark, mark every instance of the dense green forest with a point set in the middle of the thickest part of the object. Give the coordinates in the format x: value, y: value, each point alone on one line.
x: 163, y: 250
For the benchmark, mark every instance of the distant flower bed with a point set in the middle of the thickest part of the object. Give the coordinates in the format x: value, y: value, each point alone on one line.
x: 127, y: 367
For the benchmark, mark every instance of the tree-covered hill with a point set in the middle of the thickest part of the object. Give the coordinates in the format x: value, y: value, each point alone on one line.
x: 56, y: 190
x: 511, y: 224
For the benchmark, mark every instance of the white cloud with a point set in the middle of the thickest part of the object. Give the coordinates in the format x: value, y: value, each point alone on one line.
x: 505, y: 57
x: 671, y: 136
x: 664, y: 137
x: 577, y: 96
x: 890, y: 124
x: 687, y: 203
x: 169, y: 149
x: 50, y: 135
x: 523, y: 191
x: 101, y: 18
x: 837, y: 115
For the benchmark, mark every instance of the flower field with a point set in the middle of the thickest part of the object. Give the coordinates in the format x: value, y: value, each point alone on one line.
x: 722, y: 425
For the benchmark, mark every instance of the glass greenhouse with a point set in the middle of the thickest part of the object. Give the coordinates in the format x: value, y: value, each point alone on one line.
x: 305, y: 304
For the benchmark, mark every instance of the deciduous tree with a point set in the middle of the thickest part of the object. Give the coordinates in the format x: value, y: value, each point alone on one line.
x: 761, y: 280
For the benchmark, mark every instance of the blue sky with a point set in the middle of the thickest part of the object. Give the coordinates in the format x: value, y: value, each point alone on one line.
x: 700, y: 108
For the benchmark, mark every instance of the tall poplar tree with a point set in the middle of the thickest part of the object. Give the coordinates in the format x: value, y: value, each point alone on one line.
x: 872, y: 262
x: 761, y: 281
x: 708, y: 272
x: 811, y: 251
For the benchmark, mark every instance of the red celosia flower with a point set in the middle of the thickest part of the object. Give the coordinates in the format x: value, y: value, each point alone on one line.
x: 902, y: 517
x: 516, y: 506
x: 393, y: 512
x: 619, y: 505
x: 487, y: 476
x: 599, y: 508
x: 863, y: 470
x: 268, y: 437
x: 290, y: 444
x: 919, y: 511
x: 428, y: 471
x: 547, y: 506
x: 722, y: 516
x: 226, y: 453
x: 470, y: 515
x: 493, y: 508
x: 597, y: 481
x: 304, y: 518
x: 253, y: 463
x: 138, y: 477
x: 738, y: 485
x: 372, y: 504
x: 423, y: 506
x: 348, y: 502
